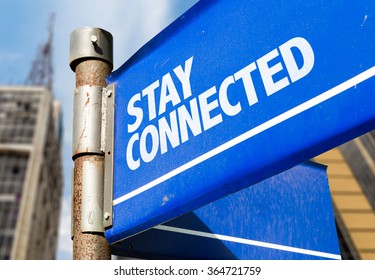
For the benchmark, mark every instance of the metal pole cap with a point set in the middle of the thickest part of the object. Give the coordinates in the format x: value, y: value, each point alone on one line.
x: 89, y: 42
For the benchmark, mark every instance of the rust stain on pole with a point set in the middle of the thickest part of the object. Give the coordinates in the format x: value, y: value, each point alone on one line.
x: 86, y: 246
x: 91, y: 68
x: 92, y: 72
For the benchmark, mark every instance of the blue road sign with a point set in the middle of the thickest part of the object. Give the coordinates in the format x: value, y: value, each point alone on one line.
x: 232, y: 93
x: 288, y: 216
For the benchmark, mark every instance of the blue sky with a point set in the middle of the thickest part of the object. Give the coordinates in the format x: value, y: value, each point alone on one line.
x: 23, y: 28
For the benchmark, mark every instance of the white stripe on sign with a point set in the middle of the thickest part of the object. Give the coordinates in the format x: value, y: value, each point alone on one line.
x: 254, y: 131
x: 249, y: 242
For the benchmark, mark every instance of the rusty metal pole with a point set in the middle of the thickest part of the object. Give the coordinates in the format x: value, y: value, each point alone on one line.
x: 91, y: 58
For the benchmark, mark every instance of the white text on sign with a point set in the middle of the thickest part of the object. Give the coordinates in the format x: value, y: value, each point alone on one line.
x: 201, y: 115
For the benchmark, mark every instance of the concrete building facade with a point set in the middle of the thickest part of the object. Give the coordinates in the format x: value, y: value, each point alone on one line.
x: 30, y: 173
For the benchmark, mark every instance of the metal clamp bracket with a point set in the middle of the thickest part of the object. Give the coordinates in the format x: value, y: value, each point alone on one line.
x: 87, y: 118
x: 95, y: 134
x: 92, y: 196
x: 108, y: 142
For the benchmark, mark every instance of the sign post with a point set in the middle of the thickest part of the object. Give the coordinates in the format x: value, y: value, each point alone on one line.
x: 287, y: 216
x: 91, y: 60
x: 231, y: 94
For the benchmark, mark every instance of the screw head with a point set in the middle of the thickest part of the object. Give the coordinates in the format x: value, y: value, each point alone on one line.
x: 106, y: 216
x: 109, y: 93
x: 93, y: 38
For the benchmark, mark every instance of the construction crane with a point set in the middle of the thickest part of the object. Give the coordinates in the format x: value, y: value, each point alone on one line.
x: 41, y: 72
